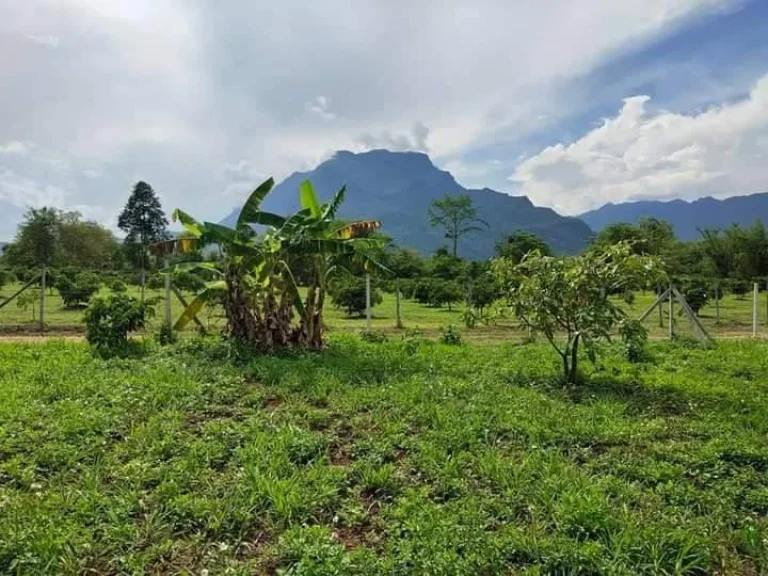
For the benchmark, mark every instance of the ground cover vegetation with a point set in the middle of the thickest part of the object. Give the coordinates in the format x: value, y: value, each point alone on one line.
x: 406, y: 456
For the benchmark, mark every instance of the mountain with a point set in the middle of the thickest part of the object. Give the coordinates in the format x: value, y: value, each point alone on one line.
x: 686, y: 217
x: 398, y: 187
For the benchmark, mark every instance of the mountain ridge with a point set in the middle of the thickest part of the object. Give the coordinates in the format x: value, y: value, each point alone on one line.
x: 398, y: 188
x: 685, y: 216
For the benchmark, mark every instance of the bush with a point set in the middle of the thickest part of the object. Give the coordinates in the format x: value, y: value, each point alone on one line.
x: 118, y: 286
x: 696, y: 293
x: 109, y: 320
x: 349, y: 293
x: 635, y: 337
x: 450, y: 335
x: 437, y: 292
x: 166, y: 335
x: 29, y: 299
x: 6, y: 277
x: 484, y: 292
x: 155, y: 282
x: 373, y: 337
x: 629, y: 297
x: 78, y: 291
x: 739, y: 288
x: 188, y: 281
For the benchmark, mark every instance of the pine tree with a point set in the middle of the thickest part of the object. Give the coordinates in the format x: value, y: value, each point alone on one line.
x: 144, y: 222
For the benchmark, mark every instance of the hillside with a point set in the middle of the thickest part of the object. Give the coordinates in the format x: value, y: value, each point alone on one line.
x: 398, y: 187
x: 685, y: 217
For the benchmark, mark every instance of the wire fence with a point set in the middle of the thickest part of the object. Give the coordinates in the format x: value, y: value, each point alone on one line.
x: 730, y: 316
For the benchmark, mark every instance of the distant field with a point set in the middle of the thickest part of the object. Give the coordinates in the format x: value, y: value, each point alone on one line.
x: 397, y: 458
x: 735, y: 313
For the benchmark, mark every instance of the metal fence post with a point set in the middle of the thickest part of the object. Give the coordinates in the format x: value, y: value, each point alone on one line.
x: 167, y: 295
x: 397, y: 303
x: 671, y: 315
x: 368, y: 302
x: 755, y: 300
x: 42, y: 299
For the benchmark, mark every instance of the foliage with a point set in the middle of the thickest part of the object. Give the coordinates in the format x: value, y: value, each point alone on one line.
x: 739, y: 288
x: 29, y: 300
x: 167, y: 335
x: 144, y: 222
x: 564, y: 298
x: 696, y: 292
x: 118, y: 286
x: 457, y: 216
x: 77, y: 291
x: 37, y: 239
x: 736, y: 252
x: 634, y: 337
x: 517, y: 245
x: 629, y: 297
x: 188, y: 281
x: 437, y: 292
x: 257, y: 287
x: 110, y: 319
x: 649, y: 236
x: 373, y: 336
x: 6, y: 277
x: 374, y: 459
x: 483, y: 291
x: 348, y: 293
x: 450, y: 335
x: 57, y: 238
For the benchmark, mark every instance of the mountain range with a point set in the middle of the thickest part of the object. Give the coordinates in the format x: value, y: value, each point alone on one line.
x: 686, y: 217
x: 398, y: 188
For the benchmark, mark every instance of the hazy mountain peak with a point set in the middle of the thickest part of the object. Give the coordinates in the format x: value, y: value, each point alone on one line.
x: 398, y: 188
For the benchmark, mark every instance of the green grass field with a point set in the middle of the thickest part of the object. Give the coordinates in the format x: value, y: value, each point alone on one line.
x: 735, y: 314
x: 408, y: 457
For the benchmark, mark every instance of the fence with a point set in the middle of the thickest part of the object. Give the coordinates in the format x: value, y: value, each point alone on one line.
x: 26, y: 308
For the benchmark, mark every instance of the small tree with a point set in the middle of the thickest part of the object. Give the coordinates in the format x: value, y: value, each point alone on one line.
x: 564, y: 298
x: 144, y: 222
x: 349, y: 293
x: 696, y: 293
x: 458, y: 216
x: 516, y: 245
x: 109, y: 320
x: 77, y: 291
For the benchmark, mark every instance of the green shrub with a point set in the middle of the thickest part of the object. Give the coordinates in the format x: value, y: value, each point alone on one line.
x: 118, y: 286
x: 635, y: 337
x: 450, y: 335
x: 349, y: 293
x: 437, y: 292
x: 188, y: 281
x: 6, y: 277
x: 166, y: 335
x: 373, y: 337
x: 29, y: 299
x: 77, y: 291
x: 696, y: 293
x: 629, y: 297
x: 110, y: 319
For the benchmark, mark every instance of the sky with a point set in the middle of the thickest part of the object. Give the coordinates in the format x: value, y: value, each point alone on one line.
x: 574, y: 104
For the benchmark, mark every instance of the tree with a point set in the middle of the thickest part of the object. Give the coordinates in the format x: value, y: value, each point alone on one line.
x: 348, y: 292
x: 458, y: 216
x: 37, y: 240
x: 564, y: 298
x: 516, y: 245
x: 144, y: 222
x: 77, y: 291
x: 257, y: 287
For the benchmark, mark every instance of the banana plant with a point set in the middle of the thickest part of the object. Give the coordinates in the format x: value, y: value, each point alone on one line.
x: 257, y: 286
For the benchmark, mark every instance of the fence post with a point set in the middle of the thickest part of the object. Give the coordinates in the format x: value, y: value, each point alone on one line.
x: 368, y: 302
x: 755, y: 297
x: 167, y: 295
x: 671, y: 315
x: 717, y: 305
x: 42, y: 299
x: 397, y: 303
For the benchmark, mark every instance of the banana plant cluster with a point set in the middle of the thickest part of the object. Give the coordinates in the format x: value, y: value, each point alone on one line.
x: 257, y: 285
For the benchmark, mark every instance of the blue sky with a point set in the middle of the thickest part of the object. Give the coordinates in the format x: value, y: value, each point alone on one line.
x: 572, y: 103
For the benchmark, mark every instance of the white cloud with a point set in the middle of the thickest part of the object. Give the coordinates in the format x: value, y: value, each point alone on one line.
x: 319, y: 107
x: 45, y: 40
x: 15, y: 147
x: 22, y: 191
x: 172, y: 91
x: 642, y: 155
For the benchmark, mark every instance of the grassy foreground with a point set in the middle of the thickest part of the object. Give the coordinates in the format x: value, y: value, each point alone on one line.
x: 406, y: 457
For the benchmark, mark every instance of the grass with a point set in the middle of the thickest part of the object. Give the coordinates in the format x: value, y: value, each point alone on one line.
x: 407, y: 457
x: 735, y: 314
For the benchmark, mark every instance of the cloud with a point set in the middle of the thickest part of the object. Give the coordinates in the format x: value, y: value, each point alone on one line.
x: 48, y: 40
x: 642, y: 155
x: 172, y: 91
x: 319, y: 107
x: 15, y: 147
x: 414, y: 139
x: 22, y: 191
